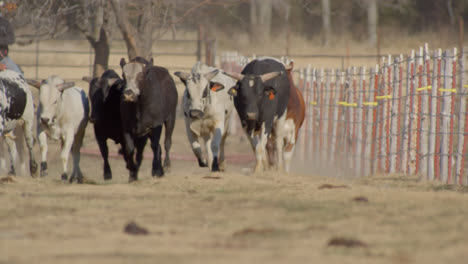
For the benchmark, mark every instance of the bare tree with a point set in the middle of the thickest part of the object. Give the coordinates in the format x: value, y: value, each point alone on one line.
x: 372, y: 21
x: 141, y: 22
x: 260, y: 20
x: 46, y: 19
x: 326, y: 22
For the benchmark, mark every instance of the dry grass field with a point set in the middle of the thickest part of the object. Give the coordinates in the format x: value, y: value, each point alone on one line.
x: 194, y: 216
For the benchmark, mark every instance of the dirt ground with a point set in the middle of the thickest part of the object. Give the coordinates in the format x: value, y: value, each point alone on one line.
x: 194, y: 216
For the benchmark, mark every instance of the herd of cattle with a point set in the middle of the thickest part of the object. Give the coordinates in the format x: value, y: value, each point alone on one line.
x: 132, y: 109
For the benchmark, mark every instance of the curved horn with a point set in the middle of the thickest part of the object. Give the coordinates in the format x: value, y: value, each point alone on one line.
x: 268, y: 76
x: 87, y: 79
x: 235, y: 75
x: 34, y: 83
x: 182, y: 75
x: 66, y: 85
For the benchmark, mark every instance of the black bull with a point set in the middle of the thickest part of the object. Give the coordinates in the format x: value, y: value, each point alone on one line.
x: 104, y: 94
x: 261, y: 98
x: 144, y: 110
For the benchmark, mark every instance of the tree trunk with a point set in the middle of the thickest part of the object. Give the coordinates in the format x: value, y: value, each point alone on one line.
x: 260, y: 20
x: 128, y: 32
x: 326, y: 22
x: 101, y: 54
x: 145, y: 31
x: 372, y: 21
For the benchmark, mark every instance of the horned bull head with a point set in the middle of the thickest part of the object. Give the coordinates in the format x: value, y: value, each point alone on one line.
x: 50, y: 91
x: 250, y: 89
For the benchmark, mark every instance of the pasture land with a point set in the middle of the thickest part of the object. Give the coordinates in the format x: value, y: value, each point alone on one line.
x: 194, y: 216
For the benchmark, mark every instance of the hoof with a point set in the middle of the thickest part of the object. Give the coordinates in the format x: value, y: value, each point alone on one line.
x: 65, y: 177
x: 214, y: 166
x: 158, y: 173
x: 107, y: 176
x: 202, y: 163
x: 33, y: 167
x: 132, y: 179
x: 43, y: 169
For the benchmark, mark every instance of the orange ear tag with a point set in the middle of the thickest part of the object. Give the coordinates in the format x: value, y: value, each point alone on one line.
x: 272, y: 96
x: 214, y: 88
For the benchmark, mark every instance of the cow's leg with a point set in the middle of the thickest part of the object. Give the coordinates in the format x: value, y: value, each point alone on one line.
x: 169, y: 128
x: 195, y: 144
x: 129, y: 151
x: 271, y: 152
x: 289, y: 143
x: 29, y: 138
x: 214, y: 148
x: 140, y: 144
x: 13, y: 154
x: 77, y: 143
x: 42, y: 138
x: 222, y: 160
x: 102, y: 143
x: 19, y: 133
x: 3, y: 161
x: 67, y: 142
x: 157, y: 166
x: 287, y: 154
x: 281, y: 132
x: 259, y: 141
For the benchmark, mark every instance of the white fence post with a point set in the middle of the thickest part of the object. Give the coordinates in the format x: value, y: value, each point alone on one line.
x: 445, y: 115
x: 461, y: 119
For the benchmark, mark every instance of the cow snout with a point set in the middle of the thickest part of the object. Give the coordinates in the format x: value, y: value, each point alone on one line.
x: 251, y: 116
x: 45, y: 120
x: 129, y: 96
x: 196, y: 114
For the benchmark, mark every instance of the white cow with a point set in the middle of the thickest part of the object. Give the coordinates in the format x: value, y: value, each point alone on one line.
x: 207, y: 109
x: 16, y: 115
x: 62, y: 115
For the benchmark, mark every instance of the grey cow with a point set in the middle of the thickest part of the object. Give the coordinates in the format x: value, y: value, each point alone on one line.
x: 207, y: 109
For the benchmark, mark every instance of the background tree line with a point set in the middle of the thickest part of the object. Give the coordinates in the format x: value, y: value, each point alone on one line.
x: 141, y: 22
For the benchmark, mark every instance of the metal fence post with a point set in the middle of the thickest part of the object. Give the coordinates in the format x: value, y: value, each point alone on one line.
x: 432, y: 121
x: 461, y: 120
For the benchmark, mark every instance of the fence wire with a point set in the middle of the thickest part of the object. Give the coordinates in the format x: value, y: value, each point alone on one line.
x: 407, y: 115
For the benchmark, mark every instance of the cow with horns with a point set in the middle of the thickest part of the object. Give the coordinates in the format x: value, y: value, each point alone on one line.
x: 62, y: 115
x: 261, y: 99
x: 207, y: 109
x: 16, y: 110
x: 294, y: 118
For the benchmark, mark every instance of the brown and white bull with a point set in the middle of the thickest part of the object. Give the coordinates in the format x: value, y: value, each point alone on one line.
x: 294, y: 119
x: 207, y: 110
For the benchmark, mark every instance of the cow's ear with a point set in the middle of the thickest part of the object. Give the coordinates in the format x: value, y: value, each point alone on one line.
x: 111, y: 81
x: 232, y: 91
x: 210, y: 75
x: 216, y: 87
x: 269, y: 90
x: 122, y: 62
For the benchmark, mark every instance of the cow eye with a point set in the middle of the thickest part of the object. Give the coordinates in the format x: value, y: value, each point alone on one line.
x: 205, y: 92
x: 188, y: 95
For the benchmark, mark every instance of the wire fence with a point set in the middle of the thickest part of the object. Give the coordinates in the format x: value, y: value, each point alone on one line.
x: 407, y: 115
